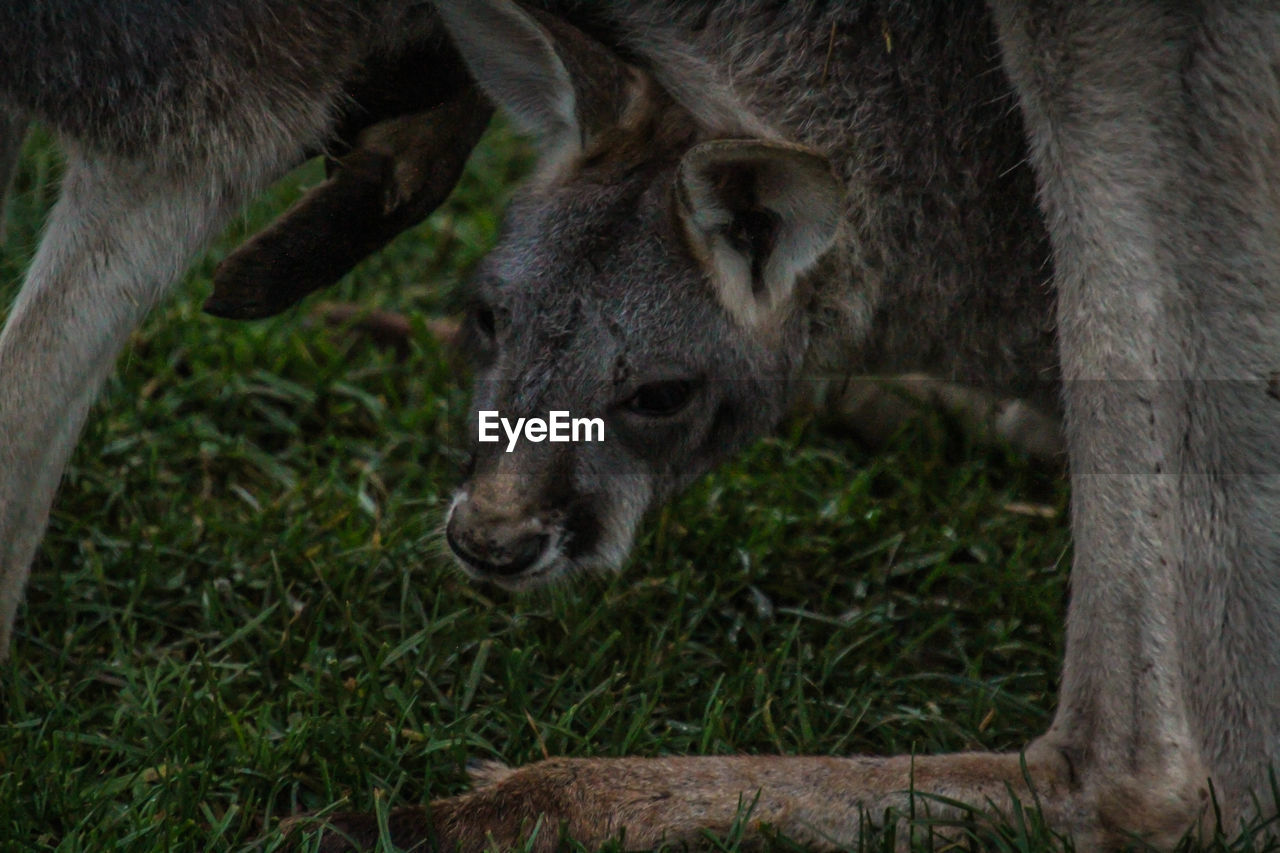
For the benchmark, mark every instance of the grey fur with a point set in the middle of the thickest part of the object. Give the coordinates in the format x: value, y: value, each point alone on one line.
x: 1154, y: 134
x: 940, y: 264
x: 181, y: 81
x: 172, y: 115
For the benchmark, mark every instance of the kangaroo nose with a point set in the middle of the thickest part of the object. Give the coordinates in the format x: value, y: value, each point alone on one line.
x: 492, y: 546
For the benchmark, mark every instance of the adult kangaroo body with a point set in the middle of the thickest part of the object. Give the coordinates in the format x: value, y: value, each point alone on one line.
x: 1153, y: 133
x: 1153, y: 137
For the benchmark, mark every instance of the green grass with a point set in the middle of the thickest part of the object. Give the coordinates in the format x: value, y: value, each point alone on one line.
x: 242, y: 609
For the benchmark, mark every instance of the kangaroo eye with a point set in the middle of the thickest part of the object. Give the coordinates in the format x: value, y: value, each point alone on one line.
x: 661, y: 399
x: 486, y: 322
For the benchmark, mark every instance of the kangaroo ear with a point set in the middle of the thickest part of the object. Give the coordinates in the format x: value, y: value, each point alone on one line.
x: 557, y: 82
x: 759, y: 214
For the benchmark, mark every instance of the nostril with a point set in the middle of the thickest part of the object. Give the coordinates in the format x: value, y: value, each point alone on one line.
x: 490, y: 555
x: 460, y: 550
x: 524, y: 554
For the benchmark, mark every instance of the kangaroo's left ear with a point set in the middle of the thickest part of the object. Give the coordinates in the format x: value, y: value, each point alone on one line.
x: 759, y: 214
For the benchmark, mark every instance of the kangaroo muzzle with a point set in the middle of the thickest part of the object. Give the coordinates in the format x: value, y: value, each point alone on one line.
x: 494, y: 544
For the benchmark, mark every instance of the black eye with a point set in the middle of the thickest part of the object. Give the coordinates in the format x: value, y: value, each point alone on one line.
x: 661, y: 399
x: 486, y: 322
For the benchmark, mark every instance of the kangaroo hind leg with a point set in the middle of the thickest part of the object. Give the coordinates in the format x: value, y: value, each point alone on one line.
x: 119, y: 236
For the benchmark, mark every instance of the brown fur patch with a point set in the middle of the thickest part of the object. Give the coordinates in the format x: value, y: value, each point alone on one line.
x: 651, y: 129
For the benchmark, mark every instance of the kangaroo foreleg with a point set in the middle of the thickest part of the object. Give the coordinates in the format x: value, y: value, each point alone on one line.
x: 119, y: 236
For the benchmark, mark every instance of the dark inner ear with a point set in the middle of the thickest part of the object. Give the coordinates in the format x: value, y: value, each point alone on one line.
x: 753, y: 232
x: 754, y: 229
